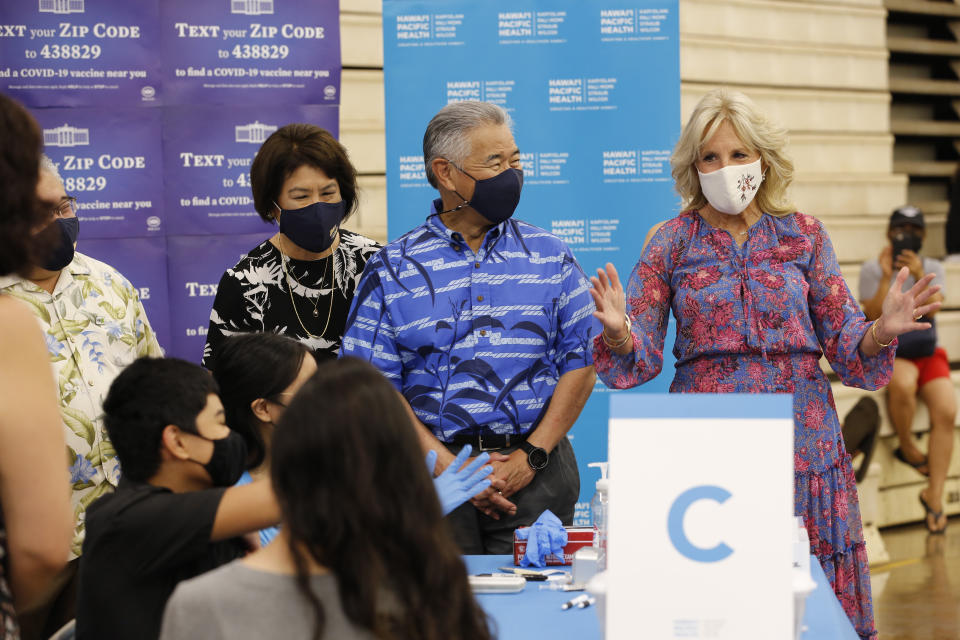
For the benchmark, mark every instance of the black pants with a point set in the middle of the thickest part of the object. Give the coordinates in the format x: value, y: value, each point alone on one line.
x: 556, y: 488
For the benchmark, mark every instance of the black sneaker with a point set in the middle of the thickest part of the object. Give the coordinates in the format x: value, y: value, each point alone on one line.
x: 860, y: 428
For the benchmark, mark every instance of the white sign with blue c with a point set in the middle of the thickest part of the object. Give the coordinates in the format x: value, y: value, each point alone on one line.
x: 701, y: 510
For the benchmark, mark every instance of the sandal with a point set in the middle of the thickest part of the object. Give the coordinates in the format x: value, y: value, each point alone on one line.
x: 930, y: 512
x: 898, y: 454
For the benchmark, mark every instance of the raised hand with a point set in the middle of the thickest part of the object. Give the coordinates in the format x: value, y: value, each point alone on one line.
x: 903, y: 309
x: 611, y: 302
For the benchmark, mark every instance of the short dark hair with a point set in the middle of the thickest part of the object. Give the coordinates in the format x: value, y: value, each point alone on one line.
x: 147, y: 396
x: 21, y: 212
x: 251, y: 366
x: 291, y: 147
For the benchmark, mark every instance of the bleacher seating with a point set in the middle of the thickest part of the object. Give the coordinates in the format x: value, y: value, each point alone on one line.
x: 817, y: 66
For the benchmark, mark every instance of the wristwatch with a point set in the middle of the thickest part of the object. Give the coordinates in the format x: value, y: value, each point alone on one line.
x: 537, y: 458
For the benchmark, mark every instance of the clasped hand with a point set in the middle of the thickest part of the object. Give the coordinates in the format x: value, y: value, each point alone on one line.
x: 489, y: 486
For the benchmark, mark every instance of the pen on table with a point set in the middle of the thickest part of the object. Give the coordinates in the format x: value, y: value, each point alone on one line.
x: 574, y: 602
x: 583, y: 604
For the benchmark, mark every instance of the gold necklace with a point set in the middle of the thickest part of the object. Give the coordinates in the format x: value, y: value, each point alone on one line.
x: 283, y: 264
x: 316, y: 301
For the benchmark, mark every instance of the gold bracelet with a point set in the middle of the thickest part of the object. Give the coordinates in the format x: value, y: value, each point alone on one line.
x: 873, y: 332
x: 617, y: 345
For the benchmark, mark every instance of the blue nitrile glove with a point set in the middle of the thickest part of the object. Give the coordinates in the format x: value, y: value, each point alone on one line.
x: 455, y: 485
x: 546, y: 536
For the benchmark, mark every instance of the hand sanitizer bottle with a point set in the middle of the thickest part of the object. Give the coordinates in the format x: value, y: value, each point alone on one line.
x: 599, y: 512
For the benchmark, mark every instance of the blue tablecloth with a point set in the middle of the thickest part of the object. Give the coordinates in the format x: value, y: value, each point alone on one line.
x: 536, y: 613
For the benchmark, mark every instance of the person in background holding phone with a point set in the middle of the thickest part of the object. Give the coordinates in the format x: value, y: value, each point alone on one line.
x: 921, y: 367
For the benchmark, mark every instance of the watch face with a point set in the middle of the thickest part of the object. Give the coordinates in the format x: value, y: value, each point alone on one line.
x: 537, y: 458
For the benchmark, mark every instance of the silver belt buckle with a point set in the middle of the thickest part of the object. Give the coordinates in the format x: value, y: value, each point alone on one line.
x: 483, y: 448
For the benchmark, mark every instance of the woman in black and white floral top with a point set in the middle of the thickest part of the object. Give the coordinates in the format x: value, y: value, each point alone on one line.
x: 301, y: 281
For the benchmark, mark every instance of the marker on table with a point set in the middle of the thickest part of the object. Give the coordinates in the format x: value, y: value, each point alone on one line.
x: 575, y: 601
x: 583, y: 604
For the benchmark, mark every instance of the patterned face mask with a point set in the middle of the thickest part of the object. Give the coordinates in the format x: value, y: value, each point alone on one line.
x: 731, y: 189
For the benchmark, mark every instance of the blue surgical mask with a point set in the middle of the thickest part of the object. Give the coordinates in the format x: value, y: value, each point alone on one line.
x: 313, y: 227
x: 63, y: 253
x: 495, y: 198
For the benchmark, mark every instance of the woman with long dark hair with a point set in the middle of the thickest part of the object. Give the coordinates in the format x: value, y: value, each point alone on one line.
x: 363, y: 551
x: 258, y: 375
x: 35, y: 522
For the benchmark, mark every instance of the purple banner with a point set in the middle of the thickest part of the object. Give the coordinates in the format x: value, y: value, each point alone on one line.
x: 59, y: 53
x: 110, y: 159
x: 207, y: 156
x: 251, y: 51
x: 142, y: 261
x: 195, y: 265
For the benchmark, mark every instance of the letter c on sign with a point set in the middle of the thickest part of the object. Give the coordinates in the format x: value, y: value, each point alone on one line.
x: 675, y: 524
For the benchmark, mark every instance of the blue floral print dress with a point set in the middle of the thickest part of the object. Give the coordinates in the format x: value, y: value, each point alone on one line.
x: 756, y: 318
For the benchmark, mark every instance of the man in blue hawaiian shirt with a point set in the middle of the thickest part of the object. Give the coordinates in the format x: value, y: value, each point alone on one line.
x: 483, y: 323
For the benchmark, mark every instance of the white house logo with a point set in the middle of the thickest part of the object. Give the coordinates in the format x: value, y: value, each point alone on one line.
x: 255, y: 132
x: 62, y: 6
x: 251, y: 7
x: 153, y: 223
x: 329, y: 92
x: 66, y: 136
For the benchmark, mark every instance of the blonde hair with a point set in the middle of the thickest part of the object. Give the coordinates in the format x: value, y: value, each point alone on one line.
x: 754, y: 129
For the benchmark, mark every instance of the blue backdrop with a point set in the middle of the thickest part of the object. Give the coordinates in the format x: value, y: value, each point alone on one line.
x: 594, y: 91
x: 153, y: 112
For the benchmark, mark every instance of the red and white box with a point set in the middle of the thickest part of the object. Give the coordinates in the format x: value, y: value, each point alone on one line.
x: 577, y: 538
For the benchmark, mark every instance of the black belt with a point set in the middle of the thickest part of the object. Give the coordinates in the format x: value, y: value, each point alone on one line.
x: 489, y: 441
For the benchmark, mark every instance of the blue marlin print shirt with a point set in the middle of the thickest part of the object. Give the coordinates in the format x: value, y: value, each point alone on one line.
x: 476, y: 342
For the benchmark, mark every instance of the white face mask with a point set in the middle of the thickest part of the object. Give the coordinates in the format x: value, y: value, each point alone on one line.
x: 731, y: 189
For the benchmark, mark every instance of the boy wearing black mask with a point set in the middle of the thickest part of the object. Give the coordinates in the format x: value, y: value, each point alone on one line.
x: 172, y: 516
x: 921, y: 367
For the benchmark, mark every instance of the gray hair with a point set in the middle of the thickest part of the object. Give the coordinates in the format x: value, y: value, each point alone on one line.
x: 446, y: 135
x: 46, y: 164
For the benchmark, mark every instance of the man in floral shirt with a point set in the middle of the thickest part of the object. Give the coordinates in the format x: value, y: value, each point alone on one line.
x: 94, y: 326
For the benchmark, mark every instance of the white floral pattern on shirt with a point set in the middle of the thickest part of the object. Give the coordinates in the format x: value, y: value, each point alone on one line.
x: 94, y: 325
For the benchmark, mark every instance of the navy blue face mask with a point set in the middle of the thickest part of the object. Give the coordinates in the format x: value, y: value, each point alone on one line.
x: 63, y: 253
x: 494, y: 198
x: 313, y: 227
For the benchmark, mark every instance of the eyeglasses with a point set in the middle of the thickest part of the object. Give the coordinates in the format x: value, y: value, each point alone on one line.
x: 66, y: 208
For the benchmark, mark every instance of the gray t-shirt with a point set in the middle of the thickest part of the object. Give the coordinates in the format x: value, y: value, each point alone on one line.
x: 871, y: 273
x: 236, y: 602
x: 915, y: 343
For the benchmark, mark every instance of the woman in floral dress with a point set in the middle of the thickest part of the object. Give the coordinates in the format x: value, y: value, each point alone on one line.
x: 758, y: 297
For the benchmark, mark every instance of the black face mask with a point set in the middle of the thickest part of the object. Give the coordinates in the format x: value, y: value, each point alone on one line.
x: 313, y: 227
x: 494, y: 198
x: 229, y: 459
x: 63, y: 253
